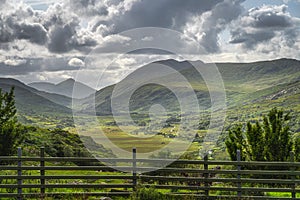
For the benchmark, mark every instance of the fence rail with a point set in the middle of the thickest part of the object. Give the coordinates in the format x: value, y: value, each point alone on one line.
x: 40, y: 177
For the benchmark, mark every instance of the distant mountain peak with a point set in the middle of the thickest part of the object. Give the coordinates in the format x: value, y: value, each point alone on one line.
x: 66, y: 88
x: 67, y: 81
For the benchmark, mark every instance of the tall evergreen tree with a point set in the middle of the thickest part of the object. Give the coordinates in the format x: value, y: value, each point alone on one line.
x: 9, y: 128
x: 267, y: 141
x: 236, y: 142
x: 297, y: 148
x: 7, y: 107
x: 277, y: 136
x: 255, y: 141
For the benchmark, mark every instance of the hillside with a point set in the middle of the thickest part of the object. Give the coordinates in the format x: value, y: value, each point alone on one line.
x: 36, y: 107
x: 255, y: 104
x: 244, y: 83
x: 250, y: 88
x: 64, y: 88
x: 29, y: 102
x: 56, y: 98
x: 248, y: 77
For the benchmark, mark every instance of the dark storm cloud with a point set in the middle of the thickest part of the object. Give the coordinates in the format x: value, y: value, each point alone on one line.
x: 65, y: 38
x: 174, y: 14
x: 157, y: 13
x: 263, y: 24
x: 266, y: 20
x: 220, y: 16
x: 13, y: 26
x: 60, y: 38
x: 82, y: 24
x: 63, y: 30
x: 35, y: 32
x: 55, y: 28
x: 88, y: 7
x: 60, y: 27
x: 251, y: 39
x: 6, y: 33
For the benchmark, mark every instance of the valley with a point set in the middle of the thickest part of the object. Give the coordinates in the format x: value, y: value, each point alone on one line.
x: 252, y: 89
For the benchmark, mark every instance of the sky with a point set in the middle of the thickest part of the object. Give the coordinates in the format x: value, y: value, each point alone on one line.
x: 49, y: 40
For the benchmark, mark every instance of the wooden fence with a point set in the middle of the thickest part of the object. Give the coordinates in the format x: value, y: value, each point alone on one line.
x: 41, y: 177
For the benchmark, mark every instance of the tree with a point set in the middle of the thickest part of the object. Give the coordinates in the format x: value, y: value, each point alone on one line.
x: 255, y: 142
x: 7, y: 107
x: 236, y: 142
x: 297, y: 148
x: 9, y: 128
x: 267, y: 141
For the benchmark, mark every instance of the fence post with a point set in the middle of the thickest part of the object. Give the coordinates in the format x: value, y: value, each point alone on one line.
x: 42, y: 172
x: 206, y: 191
x: 19, y: 180
x: 292, y: 159
x: 134, y: 177
x: 239, y: 184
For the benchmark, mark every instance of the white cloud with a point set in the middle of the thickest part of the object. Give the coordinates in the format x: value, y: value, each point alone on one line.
x: 42, y: 77
x: 76, y: 62
x: 15, y: 62
x: 56, y: 38
x: 123, y: 62
x: 207, y: 26
x: 262, y: 24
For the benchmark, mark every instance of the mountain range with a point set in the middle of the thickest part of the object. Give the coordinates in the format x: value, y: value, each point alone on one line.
x: 250, y: 87
x: 244, y: 83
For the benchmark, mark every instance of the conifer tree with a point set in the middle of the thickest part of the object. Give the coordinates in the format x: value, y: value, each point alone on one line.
x: 267, y: 141
x: 9, y: 128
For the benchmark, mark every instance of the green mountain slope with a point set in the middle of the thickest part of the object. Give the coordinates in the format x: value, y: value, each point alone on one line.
x: 247, y: 77
x: 31, y: 103
x: 254, y: 105
x: 244, y: 83
x: 35, y: 107
x: 56, y: 98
